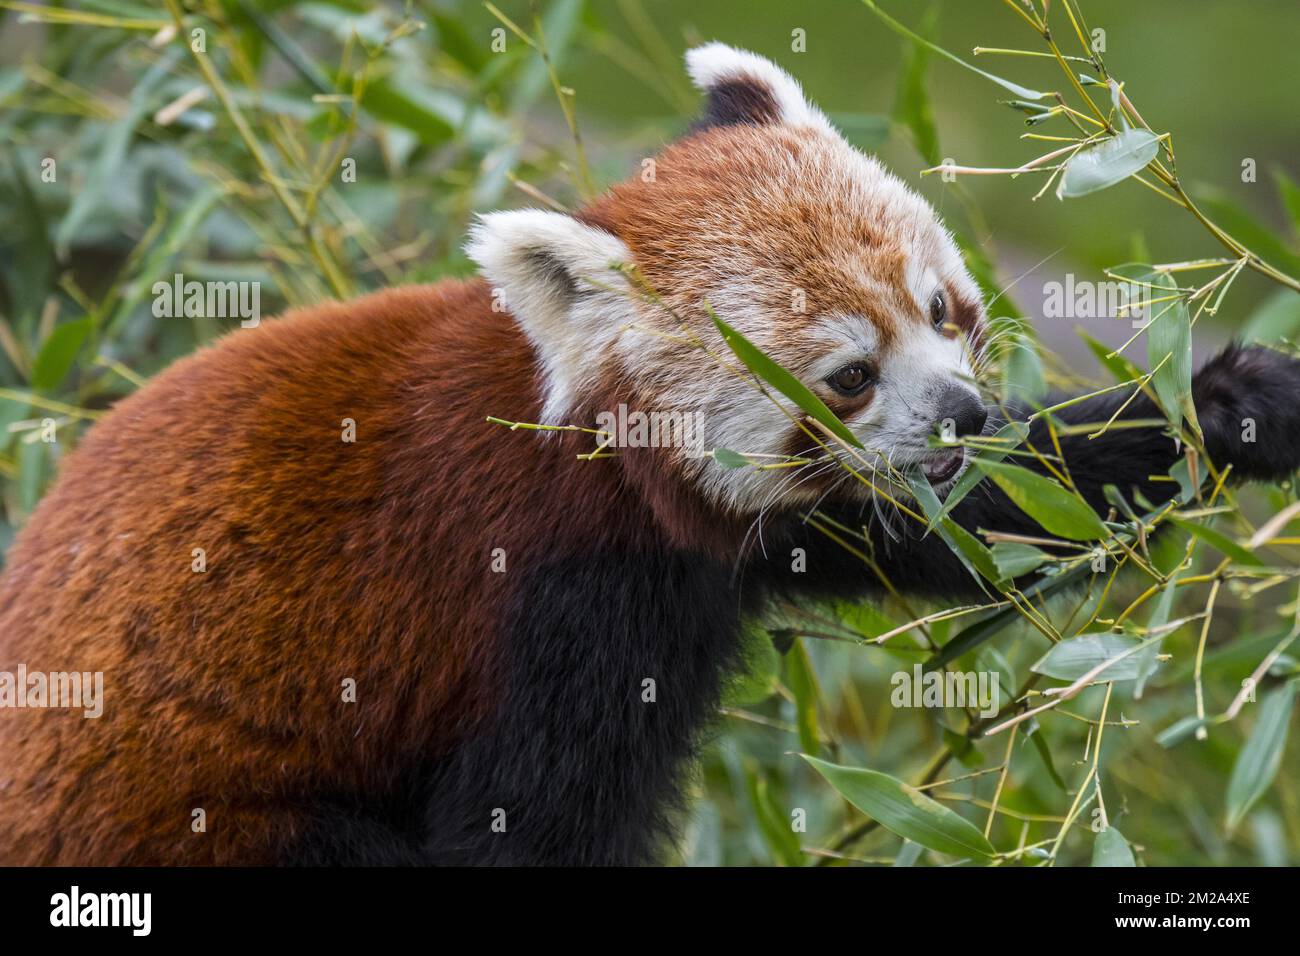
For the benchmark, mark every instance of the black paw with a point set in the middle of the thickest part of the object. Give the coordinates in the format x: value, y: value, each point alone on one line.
x: 1248, y: 403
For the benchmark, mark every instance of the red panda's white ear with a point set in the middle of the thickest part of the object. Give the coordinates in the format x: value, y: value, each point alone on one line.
x: 743, y: 87
x: 561, y: 280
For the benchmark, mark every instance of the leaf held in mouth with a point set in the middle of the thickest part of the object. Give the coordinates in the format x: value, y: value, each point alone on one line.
x: 769, y: 371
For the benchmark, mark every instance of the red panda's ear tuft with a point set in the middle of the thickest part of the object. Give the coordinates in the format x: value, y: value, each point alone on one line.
x: 561, y: 280
x: 743, y: 87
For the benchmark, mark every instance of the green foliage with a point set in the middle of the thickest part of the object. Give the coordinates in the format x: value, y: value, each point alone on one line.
x: 1257, y: 763
x: 247, y: 183
x: 1111, y: 849
x: 1079, y: 656
x: 906, y: 811
x: 1059, y: 511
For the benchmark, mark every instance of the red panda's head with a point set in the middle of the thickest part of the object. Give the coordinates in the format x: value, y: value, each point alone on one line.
x: 809, y: 248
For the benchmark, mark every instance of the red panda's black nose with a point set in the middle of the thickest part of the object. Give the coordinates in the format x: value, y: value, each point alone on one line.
x: 961, y: 413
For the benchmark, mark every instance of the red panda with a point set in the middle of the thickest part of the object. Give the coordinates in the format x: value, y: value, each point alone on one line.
x: 427, y: 641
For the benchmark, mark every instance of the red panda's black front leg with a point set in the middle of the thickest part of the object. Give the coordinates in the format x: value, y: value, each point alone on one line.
x: 1248, y: 404
x: 610, y: 666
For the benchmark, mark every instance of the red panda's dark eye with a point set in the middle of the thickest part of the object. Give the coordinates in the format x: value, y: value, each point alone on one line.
x: 851, y: 379
x: 938, y: 310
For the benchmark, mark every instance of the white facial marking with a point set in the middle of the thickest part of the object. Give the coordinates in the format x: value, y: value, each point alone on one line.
x: 923, y: 283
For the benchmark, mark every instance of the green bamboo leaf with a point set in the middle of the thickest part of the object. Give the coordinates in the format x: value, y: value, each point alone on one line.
x: 864, y: 617
x: 1181, y: 472
x: 423, y: 113
x: 454, y: 41
x: 904, y: 810
x: 1043, y: 499
x: 1113, y: 160
x: 1021, y: 91
x: 730, y: 459
x: 1278, y: 317
x: 991, y: 661
x: 1031, y: 109
x: 908, y: 853
x: 912, y: 105
x: 972, y: 554
x: 1169, y: 332
x: 1071, y: 659
x: 1260, y: 238
x: 1035, y: 734
x: 1159, y: 616
x: 1111, y: 849
x: 960, y: 746
x: 975, y: 551
x: 33, y: 472
x: 785, y: 383
x: 1259, y: 759
x: 1290, y: 193
x: 1022, y: 373
x: 1218, y: 540
x: 1180, y: 730
x: 57, y: 354
x: 1119, y: 367
x: 1013, y: 559
x: 803, y: 685
x: 1115, y: 497
x: 773, y: 823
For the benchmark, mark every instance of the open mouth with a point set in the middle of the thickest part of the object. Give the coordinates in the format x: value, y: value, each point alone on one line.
x: 941, y: 467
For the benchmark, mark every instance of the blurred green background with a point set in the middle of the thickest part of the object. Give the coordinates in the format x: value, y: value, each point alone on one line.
x: 441, y: 126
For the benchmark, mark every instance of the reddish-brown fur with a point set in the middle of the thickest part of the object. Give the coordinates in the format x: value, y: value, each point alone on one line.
x: 325, y: 560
